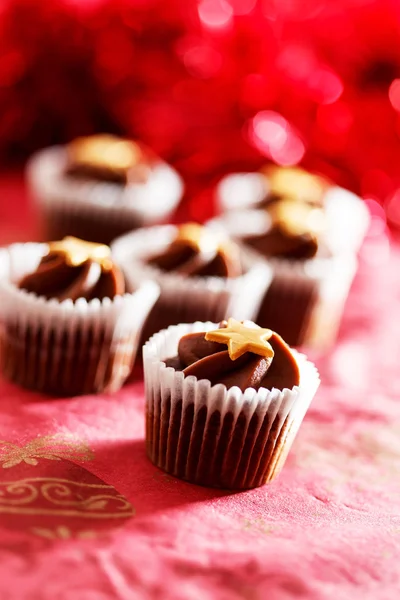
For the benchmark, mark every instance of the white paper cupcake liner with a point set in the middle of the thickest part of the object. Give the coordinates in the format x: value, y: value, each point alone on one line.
x: 67, y: 203
x: 305, y: 300
x: 188, y: 299
x: 347, y: 215
x: 66, y: 348
x: 214, y: 436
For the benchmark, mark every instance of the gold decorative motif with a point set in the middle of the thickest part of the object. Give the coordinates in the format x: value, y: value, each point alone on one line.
x: 62, y: 532
x: 76, y: 252
x: 295, y: 184
x: 18, y: 493
x: 51, y: 447
x: 369, y: 459
x: 241, y: 339
x: 296, y: 219
x: 259, y: 525
x: 104, y: 151
x: 64, y: 497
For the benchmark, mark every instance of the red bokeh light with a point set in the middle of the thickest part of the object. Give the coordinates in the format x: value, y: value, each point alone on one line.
x: 197, y: 80
x: 215, y: 13
x: 276, y: 139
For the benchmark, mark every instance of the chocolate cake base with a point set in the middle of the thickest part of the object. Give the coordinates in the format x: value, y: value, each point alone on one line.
x: 287, y: 308
x: 165, y: 313
x: 56, y: 364
x: 230, y: 454
x: 57, y: 224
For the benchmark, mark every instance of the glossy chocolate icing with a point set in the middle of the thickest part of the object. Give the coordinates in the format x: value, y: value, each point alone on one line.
x: 197, y: 251
x: 60, y: 275
x: 294, y: 231
x: 210, y: 360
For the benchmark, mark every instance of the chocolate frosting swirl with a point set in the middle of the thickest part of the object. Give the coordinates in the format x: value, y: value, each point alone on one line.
x: 210, y: 360
x: 295, y: 231
x: 197, y: 251
x: 57, y: 277
x: 274, y: 243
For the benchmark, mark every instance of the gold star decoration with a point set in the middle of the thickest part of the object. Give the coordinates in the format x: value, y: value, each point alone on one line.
x: 198, y: 237
x: 77, y: 251
x: 295, y: 184
x: 105, y: 151
x: 241, y: 339
x: 296, y: 219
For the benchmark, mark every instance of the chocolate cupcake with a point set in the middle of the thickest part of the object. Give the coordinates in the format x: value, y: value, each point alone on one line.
x: 202, y: 275
x: 223, y: 404
x: 306, y: 242
x: 347, y: 217
x: 99, y: 187
x: 69, y: 324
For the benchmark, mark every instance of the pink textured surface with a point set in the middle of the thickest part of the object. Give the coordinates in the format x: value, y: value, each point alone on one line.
x: 329, y: 527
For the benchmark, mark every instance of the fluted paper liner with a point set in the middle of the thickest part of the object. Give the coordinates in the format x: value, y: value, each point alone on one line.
x: 346, y: 214
x: 68, y: 204
x: 189, y: 299
x: 214, y: 436
x: 67, y: 347
x: 305, y: 300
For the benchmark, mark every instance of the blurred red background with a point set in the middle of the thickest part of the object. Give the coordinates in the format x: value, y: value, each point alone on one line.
x: 216, y: 86
x: 212, y: 85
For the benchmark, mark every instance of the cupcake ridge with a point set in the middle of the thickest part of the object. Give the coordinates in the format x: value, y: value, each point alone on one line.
x: 197, y: 251
x: 255, y: 357
x: 74, y: 269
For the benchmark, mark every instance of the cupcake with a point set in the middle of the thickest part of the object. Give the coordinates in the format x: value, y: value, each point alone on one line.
x: 99, y: 187
x: 311, y: 246
x: 224, y: 403
x: 346, y: 215
x: 68, y: 323
x: 202, y: 275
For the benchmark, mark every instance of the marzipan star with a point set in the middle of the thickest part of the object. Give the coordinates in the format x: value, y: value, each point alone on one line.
x: 294, y: 183
x: 297, y: 219
x: 106, y: 151
x: 241, y: 339
x: 198, y: 237
x: 76, y: 252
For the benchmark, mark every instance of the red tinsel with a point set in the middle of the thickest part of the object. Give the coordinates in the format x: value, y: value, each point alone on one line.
x: 212, y: 85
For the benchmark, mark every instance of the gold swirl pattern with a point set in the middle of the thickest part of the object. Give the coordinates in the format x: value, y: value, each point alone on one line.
x: 61, y: 492
x: 20, y: 492
x: 258, y: 525
x: 62, y: 532
x: 51, y: 447
x: 64, y: 497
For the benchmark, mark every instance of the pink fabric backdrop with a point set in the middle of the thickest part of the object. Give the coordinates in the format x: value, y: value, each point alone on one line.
x: 84, y: 515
